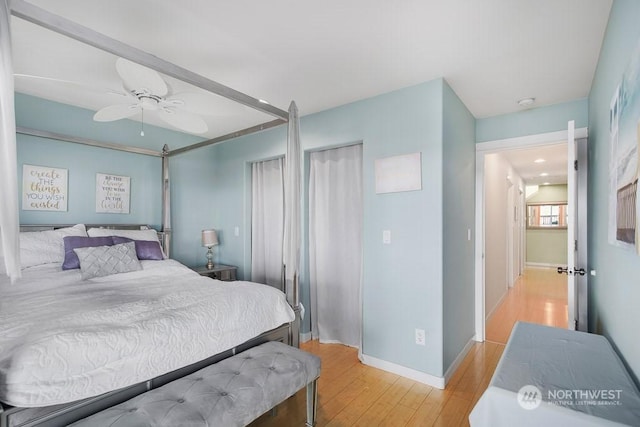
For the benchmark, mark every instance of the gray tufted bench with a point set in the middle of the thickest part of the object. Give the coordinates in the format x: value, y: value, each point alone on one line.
x: 232, y: 392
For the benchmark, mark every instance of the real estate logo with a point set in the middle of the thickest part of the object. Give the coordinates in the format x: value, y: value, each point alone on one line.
x: 529, y: 397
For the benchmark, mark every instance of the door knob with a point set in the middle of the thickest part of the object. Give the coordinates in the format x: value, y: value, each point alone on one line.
x: 579, y: 271
x: 564, y: 270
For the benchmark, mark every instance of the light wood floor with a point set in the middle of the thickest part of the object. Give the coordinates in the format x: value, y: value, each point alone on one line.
x: 538, y: 296
x: 353, y: 394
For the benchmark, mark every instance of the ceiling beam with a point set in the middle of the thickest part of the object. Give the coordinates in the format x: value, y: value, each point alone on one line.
x: 227, y: 137
x: 61, y: 25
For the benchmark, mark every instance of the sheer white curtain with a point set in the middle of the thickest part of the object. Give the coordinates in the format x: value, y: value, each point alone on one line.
x: 335, y: 244
x: 9, y: 224
x: 292, y: 216
x: 267, y: 221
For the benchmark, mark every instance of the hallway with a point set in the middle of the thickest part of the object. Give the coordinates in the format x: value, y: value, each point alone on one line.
x: 539, y: 296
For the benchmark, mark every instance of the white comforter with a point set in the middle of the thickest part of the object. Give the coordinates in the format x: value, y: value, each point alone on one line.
x: 62, y: 339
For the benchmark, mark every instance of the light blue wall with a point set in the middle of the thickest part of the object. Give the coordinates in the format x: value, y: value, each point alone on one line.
x: 615, y: 291
x: 533, y: 121
x: 192, y: 204
x: 458, y: 200
x: 402, y: 281
x: 83, y: 162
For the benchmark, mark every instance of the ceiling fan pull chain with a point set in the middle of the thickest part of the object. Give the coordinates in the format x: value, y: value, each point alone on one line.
x: 142, y: 128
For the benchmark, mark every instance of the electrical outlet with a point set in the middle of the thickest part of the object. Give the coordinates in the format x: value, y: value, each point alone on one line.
x: 420, y: 337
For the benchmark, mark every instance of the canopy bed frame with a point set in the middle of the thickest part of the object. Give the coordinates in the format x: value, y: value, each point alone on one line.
x: 9, y: 226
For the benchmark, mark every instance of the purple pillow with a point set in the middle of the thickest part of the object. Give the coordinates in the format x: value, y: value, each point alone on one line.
x: 145, y: 249
x: 71, y: 260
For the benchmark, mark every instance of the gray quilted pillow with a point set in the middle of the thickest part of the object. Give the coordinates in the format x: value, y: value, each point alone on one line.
x: 105, y: 260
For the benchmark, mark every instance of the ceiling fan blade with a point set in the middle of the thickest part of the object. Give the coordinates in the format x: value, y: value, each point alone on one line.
x: 184, y: 121
x: 193, y: 102
x: 116, y: 112
x: 29, y: 81
x: 137, y: 77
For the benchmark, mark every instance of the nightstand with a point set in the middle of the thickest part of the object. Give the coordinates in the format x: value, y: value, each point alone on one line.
x: 219, y: 271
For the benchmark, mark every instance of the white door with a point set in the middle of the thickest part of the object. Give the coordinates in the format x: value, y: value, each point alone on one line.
x: 576, y: 232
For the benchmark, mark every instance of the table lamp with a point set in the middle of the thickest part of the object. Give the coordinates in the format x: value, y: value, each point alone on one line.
x: 209, y: 239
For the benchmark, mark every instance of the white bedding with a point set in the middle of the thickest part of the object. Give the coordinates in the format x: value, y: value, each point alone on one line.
x: 62, y: 339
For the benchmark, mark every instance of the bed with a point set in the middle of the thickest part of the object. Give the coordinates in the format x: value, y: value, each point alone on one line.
x: 71, y: 347
x: 21, y: 304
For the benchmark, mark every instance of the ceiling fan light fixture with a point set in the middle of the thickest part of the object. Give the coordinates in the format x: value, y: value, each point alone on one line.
x: 148, y: 103
x: 526, y: 102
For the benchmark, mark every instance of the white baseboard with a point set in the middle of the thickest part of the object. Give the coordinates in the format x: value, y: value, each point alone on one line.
x: 541, y: 265
x: 403, y: 371
x: 304, y: 337
x: 496, y: 306
x: 458, y: 360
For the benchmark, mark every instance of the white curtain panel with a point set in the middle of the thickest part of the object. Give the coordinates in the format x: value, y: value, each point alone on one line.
x: 335, y: 244
x: 9, y: 222
x: 267, y: 221
x: 292, y: 216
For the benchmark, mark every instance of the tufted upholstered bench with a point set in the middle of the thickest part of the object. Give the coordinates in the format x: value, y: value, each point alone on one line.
x: 232, y: 392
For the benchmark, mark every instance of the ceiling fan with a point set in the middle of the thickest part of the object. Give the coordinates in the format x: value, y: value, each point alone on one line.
x: 146, y: 92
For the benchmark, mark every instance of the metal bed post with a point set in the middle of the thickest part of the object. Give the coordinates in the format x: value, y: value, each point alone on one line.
x: 166, y: 202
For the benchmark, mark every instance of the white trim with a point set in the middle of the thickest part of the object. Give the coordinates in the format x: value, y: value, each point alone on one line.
x: 305, y: 336
x: 541, y: 265
x: 528, y: 141
x: 421, y: 377
x: 493, y: 310
x: 458, y: 360
x: 479, y: 269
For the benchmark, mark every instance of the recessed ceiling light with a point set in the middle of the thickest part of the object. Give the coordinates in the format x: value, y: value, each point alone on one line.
x: 545, y: 183
x: 539, y: 161
x: 544, y: 174
x: 526, y: 102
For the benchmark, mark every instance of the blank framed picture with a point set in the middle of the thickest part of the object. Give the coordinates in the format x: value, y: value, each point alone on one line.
x: 399, y: 173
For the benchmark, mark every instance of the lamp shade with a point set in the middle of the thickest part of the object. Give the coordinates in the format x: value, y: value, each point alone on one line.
x: 209, y: 238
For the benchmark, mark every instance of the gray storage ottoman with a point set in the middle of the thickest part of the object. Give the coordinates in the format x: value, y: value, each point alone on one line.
x: 232, y: 392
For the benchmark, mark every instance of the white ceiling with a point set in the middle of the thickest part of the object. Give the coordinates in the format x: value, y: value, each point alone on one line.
x: 325, y: 54
x: 554, y: 164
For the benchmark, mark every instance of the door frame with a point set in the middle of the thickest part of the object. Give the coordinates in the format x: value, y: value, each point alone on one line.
x: 482, y: 149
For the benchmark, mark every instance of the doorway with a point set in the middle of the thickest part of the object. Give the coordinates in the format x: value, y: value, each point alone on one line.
x: 492, y: 290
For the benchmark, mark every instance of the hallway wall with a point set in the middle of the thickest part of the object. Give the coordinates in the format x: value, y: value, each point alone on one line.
x: 498, y: 219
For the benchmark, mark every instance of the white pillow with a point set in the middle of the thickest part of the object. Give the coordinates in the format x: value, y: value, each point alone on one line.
x: 149, y: 234
x: 45, y: 247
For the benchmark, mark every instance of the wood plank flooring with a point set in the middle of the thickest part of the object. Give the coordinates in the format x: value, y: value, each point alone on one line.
x: 353, y: 394
x: 538, y: 296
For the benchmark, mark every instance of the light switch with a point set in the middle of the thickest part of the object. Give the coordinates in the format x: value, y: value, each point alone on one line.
x: 236, y: 231
x: 386, y: 237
